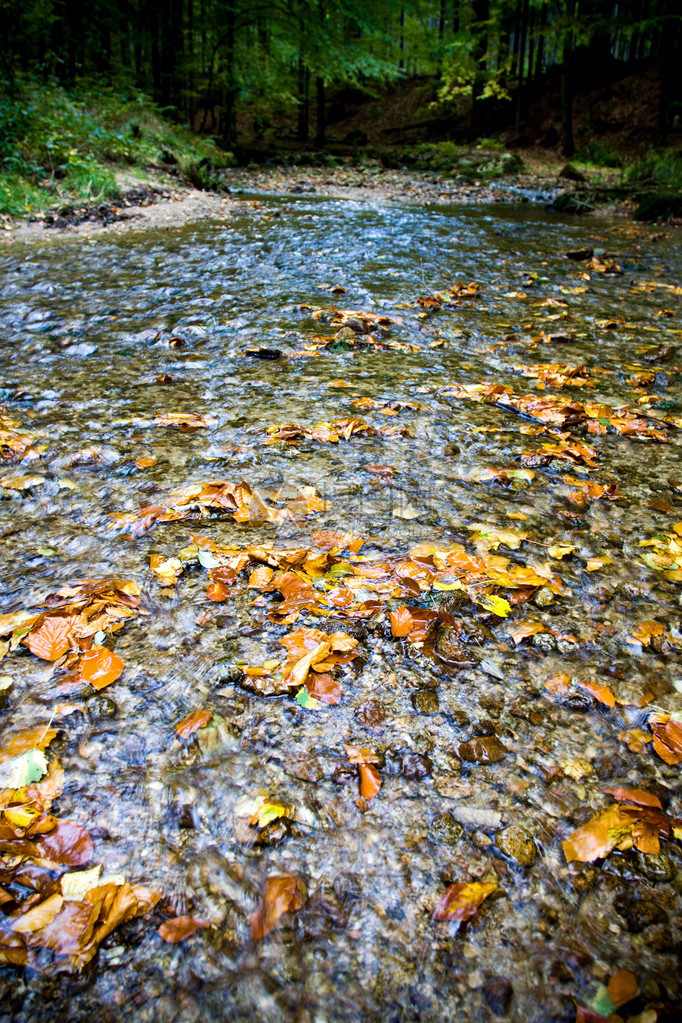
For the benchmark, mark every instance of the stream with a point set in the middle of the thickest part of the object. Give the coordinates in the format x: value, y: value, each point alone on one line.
x: 125, y: 360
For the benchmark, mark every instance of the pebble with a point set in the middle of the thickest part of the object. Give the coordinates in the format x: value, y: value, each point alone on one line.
x: 446, y: 829
x: 425, y: 701
x: 517, y: 843
x: 486, y: 749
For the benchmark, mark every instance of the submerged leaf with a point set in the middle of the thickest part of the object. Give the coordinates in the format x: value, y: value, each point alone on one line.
x: 461, y: 901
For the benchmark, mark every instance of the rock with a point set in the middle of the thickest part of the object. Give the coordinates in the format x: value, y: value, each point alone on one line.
x: 580, y: 254
x: 485, y: 749
x: 371, y: 713
x: 570, y: 202
x: 81, y: 350
x: 477, y: 817
x: 304, y: 766
x: 544, y: 597
x: 571, y: 173
x: 263, y: 353
x: 101, y: 707
x: 517, y: 844
x: 449, y: 648
x: 446, y: 829
x: 639, y: 912
x: 417, y: 766
x: 498, y: 993
x: 655, y: 866
x: 425, y: 701
x: 357, y: 325
x: 345, y: 334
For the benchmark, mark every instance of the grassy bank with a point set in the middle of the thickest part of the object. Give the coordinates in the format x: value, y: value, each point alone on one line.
x: 59, y: 146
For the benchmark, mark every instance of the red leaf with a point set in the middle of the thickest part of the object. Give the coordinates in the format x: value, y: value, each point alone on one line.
x: 100, y: 667
x: 180, y: 927
x: 637, y: 796
x: 51, y: 640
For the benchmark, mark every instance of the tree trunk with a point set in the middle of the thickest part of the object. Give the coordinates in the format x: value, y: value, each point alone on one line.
x: 481, y: 16
x: 320, y: 118
x: 229, y: 131
x: 567, y: 85
x: 401, y: 43
x: 522, y: 62
x: 303, y: 100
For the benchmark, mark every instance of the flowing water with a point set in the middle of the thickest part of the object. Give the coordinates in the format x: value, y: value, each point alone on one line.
x: 102, y: 334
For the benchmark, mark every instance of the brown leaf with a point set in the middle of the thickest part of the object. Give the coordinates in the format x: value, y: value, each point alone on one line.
x: 192, y: 723
x: 599, y: 692
x: 599, y: 836
x: 38, y: 916
x: 283, y: 894
x: 360, y: 755
x: 461, y: 901
x: 622, y: 987
x: 100, y: 667
x: 180, y: 927
x: 52, y: 639
x: 21, y: 742
x: 324, y: 688
x: 217, y: 592
x: 68, y: 844
x: 402, y: 621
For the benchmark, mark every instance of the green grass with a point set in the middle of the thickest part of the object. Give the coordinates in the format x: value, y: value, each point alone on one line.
x: 58, y: 145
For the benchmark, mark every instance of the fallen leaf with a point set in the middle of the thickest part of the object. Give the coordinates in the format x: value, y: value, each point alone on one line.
x: 68, y: 844
x: 51, y: 639
x: 193, y: 722
x: 283, y: 894
x: 100, y: 667
x: 667, y: 737
x: 622, y: 987
x: 461, y: 901
x: 180, y: 927
x: 402, y: 621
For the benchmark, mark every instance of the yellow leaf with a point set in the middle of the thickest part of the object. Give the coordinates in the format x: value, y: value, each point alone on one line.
x: 498, y: 605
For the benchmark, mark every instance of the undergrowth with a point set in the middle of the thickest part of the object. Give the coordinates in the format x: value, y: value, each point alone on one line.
x: 58, y: 145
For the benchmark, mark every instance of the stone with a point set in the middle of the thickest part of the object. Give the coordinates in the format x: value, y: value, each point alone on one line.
x: 449, y: 648
x: 101, y: 707
x: 518, y: 844
x: 370, y: 713
x: 638, y: 912
x: 580, y: 254
x: 345, y: 334
x: 305, y: 767
x: 425, y: 701
x: 356, y: 325
x: 485, y: 749
x: 263, y: 353
x: 498, y: 993
x: 444, y: 828
x: 655, y: 866
x: 417, y: 766
x: 571, y: 173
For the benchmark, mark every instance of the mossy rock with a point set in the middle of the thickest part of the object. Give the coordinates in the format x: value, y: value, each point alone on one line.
x: 572, y: 202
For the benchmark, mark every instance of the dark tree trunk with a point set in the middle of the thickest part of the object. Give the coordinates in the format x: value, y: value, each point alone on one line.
x: 229, y: 131
x: 303, y: 101
x: 522, y: 62
x: 567, y: 86
x: 320, y: 113
x: 401, y: 43
x: 481, y: 16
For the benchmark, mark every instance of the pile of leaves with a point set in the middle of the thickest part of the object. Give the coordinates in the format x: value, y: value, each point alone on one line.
x: 311, y: 656
x: 16, y: 444
x: 243, y: 502
x: 48, y: 909
x: 333, y: 432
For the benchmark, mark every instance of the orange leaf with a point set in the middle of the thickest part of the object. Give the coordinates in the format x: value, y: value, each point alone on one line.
x: 68, y: 843
x: 39, y: 737
x: 637, y: 796
x: 600, y: 836
x: 601, y: 693
x: 145, y: 462
x: 460, y: 901
x: 622, y: 987
x: 667, y: 738
x: 193, y: 722
x: 324, y: 688
x: 370, y: 782
x: 402, y: 621
x: 360, y: 755
x: 52, y: 639
x: 217, y: 592
x: 283, y: 894
x: 100, y: 667
x: 180, y: 927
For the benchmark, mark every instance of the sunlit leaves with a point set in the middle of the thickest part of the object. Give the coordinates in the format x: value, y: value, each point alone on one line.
x: 666, y: 553
x: 635, y: 819
x: 166, y: 570
x: 283, y: 894
x: 52, y: 639
x: 190, y: 724
x: 460, y: 902
x: 100, y: 667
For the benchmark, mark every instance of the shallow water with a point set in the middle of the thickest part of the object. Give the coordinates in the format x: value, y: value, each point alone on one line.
x: 98, y: 333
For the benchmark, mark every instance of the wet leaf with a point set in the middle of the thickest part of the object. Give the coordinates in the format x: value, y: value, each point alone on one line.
x: 19, y: 771
x: 51, y: 639
x: 461, y: 901
x: 370, y: 782
x: 402, y: 621
x: 68, y: 844
x: 283, y: 894
x: 167, y: 570
x: 193, y: 722
x: 667, y: 737
x: 622, y: 987
x: 180, y: 927
x: 100, y: 667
